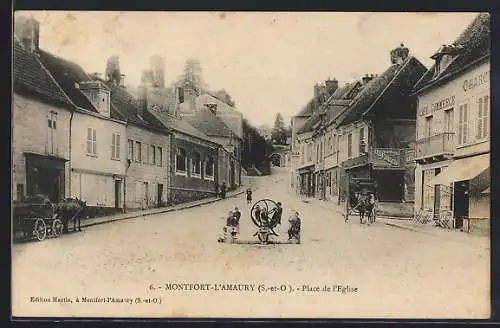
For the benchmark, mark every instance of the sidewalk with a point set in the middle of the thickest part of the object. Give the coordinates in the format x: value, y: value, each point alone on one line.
x: 403, y: 223
x: 153, y: 211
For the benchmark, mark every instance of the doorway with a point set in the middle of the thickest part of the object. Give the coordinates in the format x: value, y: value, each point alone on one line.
x: 460, y: 202
x: 160, y: 195
x: 146, y: 195
x: 117, y: 193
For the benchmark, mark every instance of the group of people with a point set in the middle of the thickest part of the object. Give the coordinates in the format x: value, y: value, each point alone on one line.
x: 267, y: 221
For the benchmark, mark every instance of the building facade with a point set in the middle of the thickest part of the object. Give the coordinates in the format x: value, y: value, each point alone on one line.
x: 453, y: 128
x: 377, y: 131
x: 41, y: 116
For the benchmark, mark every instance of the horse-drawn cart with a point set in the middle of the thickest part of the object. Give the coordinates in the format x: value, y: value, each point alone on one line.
x: 262, y: 217
x: 361, y: 199
x: 37, y: 217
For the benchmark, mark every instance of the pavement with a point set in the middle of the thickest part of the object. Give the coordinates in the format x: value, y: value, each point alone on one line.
x: 340, y: 270
x: 154, y: 211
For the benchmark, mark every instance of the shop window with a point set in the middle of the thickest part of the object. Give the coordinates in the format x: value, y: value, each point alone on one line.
x: 195, y: 164
x: 138, y: 152
x: 209, y: 168
x: 180, y: 160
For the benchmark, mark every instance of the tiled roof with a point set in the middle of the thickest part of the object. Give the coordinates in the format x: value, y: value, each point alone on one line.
x: 337, y: 102
x: 313, y: 104
x: 475, y: 42
x: 66, y: 74
x: 207, y: 122
x: 126, y: 105
x: 31, y: 77
x: 176, y: 124
x: 396, y: 82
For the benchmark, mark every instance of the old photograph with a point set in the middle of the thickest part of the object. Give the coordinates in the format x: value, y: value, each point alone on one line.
x: 250, y: 164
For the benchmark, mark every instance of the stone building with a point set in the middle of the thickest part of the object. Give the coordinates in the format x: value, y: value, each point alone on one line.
x: 148, y: 148
x: 453, y: 135
x: 206, y: 121
x: 324, y: 140
x: 98, y: 134
x: 41, y: 115
x: 377, y: 130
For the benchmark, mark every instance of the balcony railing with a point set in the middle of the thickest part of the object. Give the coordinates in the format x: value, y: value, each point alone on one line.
x: 380, y: 158
x: 438, y: 145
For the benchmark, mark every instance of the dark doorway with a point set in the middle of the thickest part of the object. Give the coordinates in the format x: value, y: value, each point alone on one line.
x: 460, y: 202
x: 160, y: 195
x: 437, y: 195
x: 45, y: 176
x: 117, y: 193
x: 390, y: 185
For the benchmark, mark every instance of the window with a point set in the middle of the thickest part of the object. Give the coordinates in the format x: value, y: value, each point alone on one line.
x: 463, y: 124
x: 180, y: 160
x: 195, y: 164
x: 130, y: 149
x: 160, y: 156
x: 482, y: 119
x: 361, y: 134
x: 20, y: 192
x: 209, y: 167
x: 138, y: 152
x: 428, y: 126
x: 115, y: 146
x: 349, y: 145
x: 448, y: 120
x: 302, y: 154
x: 152, y: 155
x: 91, y: 141
x: 52, y: 133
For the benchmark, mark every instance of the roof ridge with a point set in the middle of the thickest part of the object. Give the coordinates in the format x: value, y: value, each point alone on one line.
x: 398, y: 72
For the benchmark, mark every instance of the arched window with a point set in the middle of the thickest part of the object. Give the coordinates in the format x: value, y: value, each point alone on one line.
x: 195, y: 164
x: 180, y: 160
x: 209, y: 168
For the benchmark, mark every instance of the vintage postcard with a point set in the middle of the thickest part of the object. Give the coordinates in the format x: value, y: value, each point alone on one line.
x: 251, y: 165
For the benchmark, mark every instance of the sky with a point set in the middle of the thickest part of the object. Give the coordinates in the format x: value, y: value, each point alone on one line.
x: 267, y: 62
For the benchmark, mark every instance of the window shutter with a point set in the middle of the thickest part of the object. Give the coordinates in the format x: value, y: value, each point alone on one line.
x: 117, y: 146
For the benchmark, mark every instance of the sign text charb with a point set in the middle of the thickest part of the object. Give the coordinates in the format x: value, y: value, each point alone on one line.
x: 476, y: 81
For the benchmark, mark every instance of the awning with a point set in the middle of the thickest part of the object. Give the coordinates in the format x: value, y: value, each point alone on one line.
x: 462, y: 169
x: 486, y: 191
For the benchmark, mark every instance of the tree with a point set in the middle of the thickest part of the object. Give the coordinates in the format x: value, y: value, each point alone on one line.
x: 192, y: 74
x: 279, y: 133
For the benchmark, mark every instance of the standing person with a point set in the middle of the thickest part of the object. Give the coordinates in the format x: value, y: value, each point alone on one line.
x: 223, y: 189
x: 237, y: 216
x: 249, y: 196
x: 276, y: 218
x: 294, y: 230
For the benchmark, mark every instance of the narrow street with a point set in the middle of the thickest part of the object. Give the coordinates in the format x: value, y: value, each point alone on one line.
x: 397, y: 273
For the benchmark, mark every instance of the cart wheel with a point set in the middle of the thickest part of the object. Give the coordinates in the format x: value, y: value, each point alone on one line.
x: 40, y: 229
x: 57, y: 227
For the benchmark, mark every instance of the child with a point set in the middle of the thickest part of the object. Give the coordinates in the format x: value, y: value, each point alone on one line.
x: 249, y: 196
x: 294, y: 230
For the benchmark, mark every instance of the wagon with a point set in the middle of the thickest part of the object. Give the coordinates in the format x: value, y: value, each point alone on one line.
x: 36, y: 218
x: 361, y: 199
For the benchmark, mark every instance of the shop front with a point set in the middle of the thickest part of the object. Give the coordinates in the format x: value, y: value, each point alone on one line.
x: 45, y: 175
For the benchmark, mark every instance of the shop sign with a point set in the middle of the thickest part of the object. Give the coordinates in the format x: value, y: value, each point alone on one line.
x: 441, y: 104
x: 476, y: 81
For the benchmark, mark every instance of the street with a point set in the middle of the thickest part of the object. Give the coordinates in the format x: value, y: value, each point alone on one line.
x: 387, y: 272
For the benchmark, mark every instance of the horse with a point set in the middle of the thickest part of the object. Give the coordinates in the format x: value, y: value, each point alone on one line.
x: 365, y: 205
x: 70, y: 209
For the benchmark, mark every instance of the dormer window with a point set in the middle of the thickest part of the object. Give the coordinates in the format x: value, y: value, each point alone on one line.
x: 98, y: 94
x: 444, y: 57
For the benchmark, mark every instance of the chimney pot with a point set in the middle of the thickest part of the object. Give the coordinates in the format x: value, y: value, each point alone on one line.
x: 28, y: 30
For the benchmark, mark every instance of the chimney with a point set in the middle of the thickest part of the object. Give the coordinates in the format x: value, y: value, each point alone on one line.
x: 399, y: 55
x: 113, y: 70
x: 318, y: 89
x: 367, y: 78
x: 28, y: 31
x: 142, y: 100
x: 331, y: 85
x: 122, y: 80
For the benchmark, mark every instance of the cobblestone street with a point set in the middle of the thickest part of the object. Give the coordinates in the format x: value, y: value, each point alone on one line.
x: 397, y: 273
